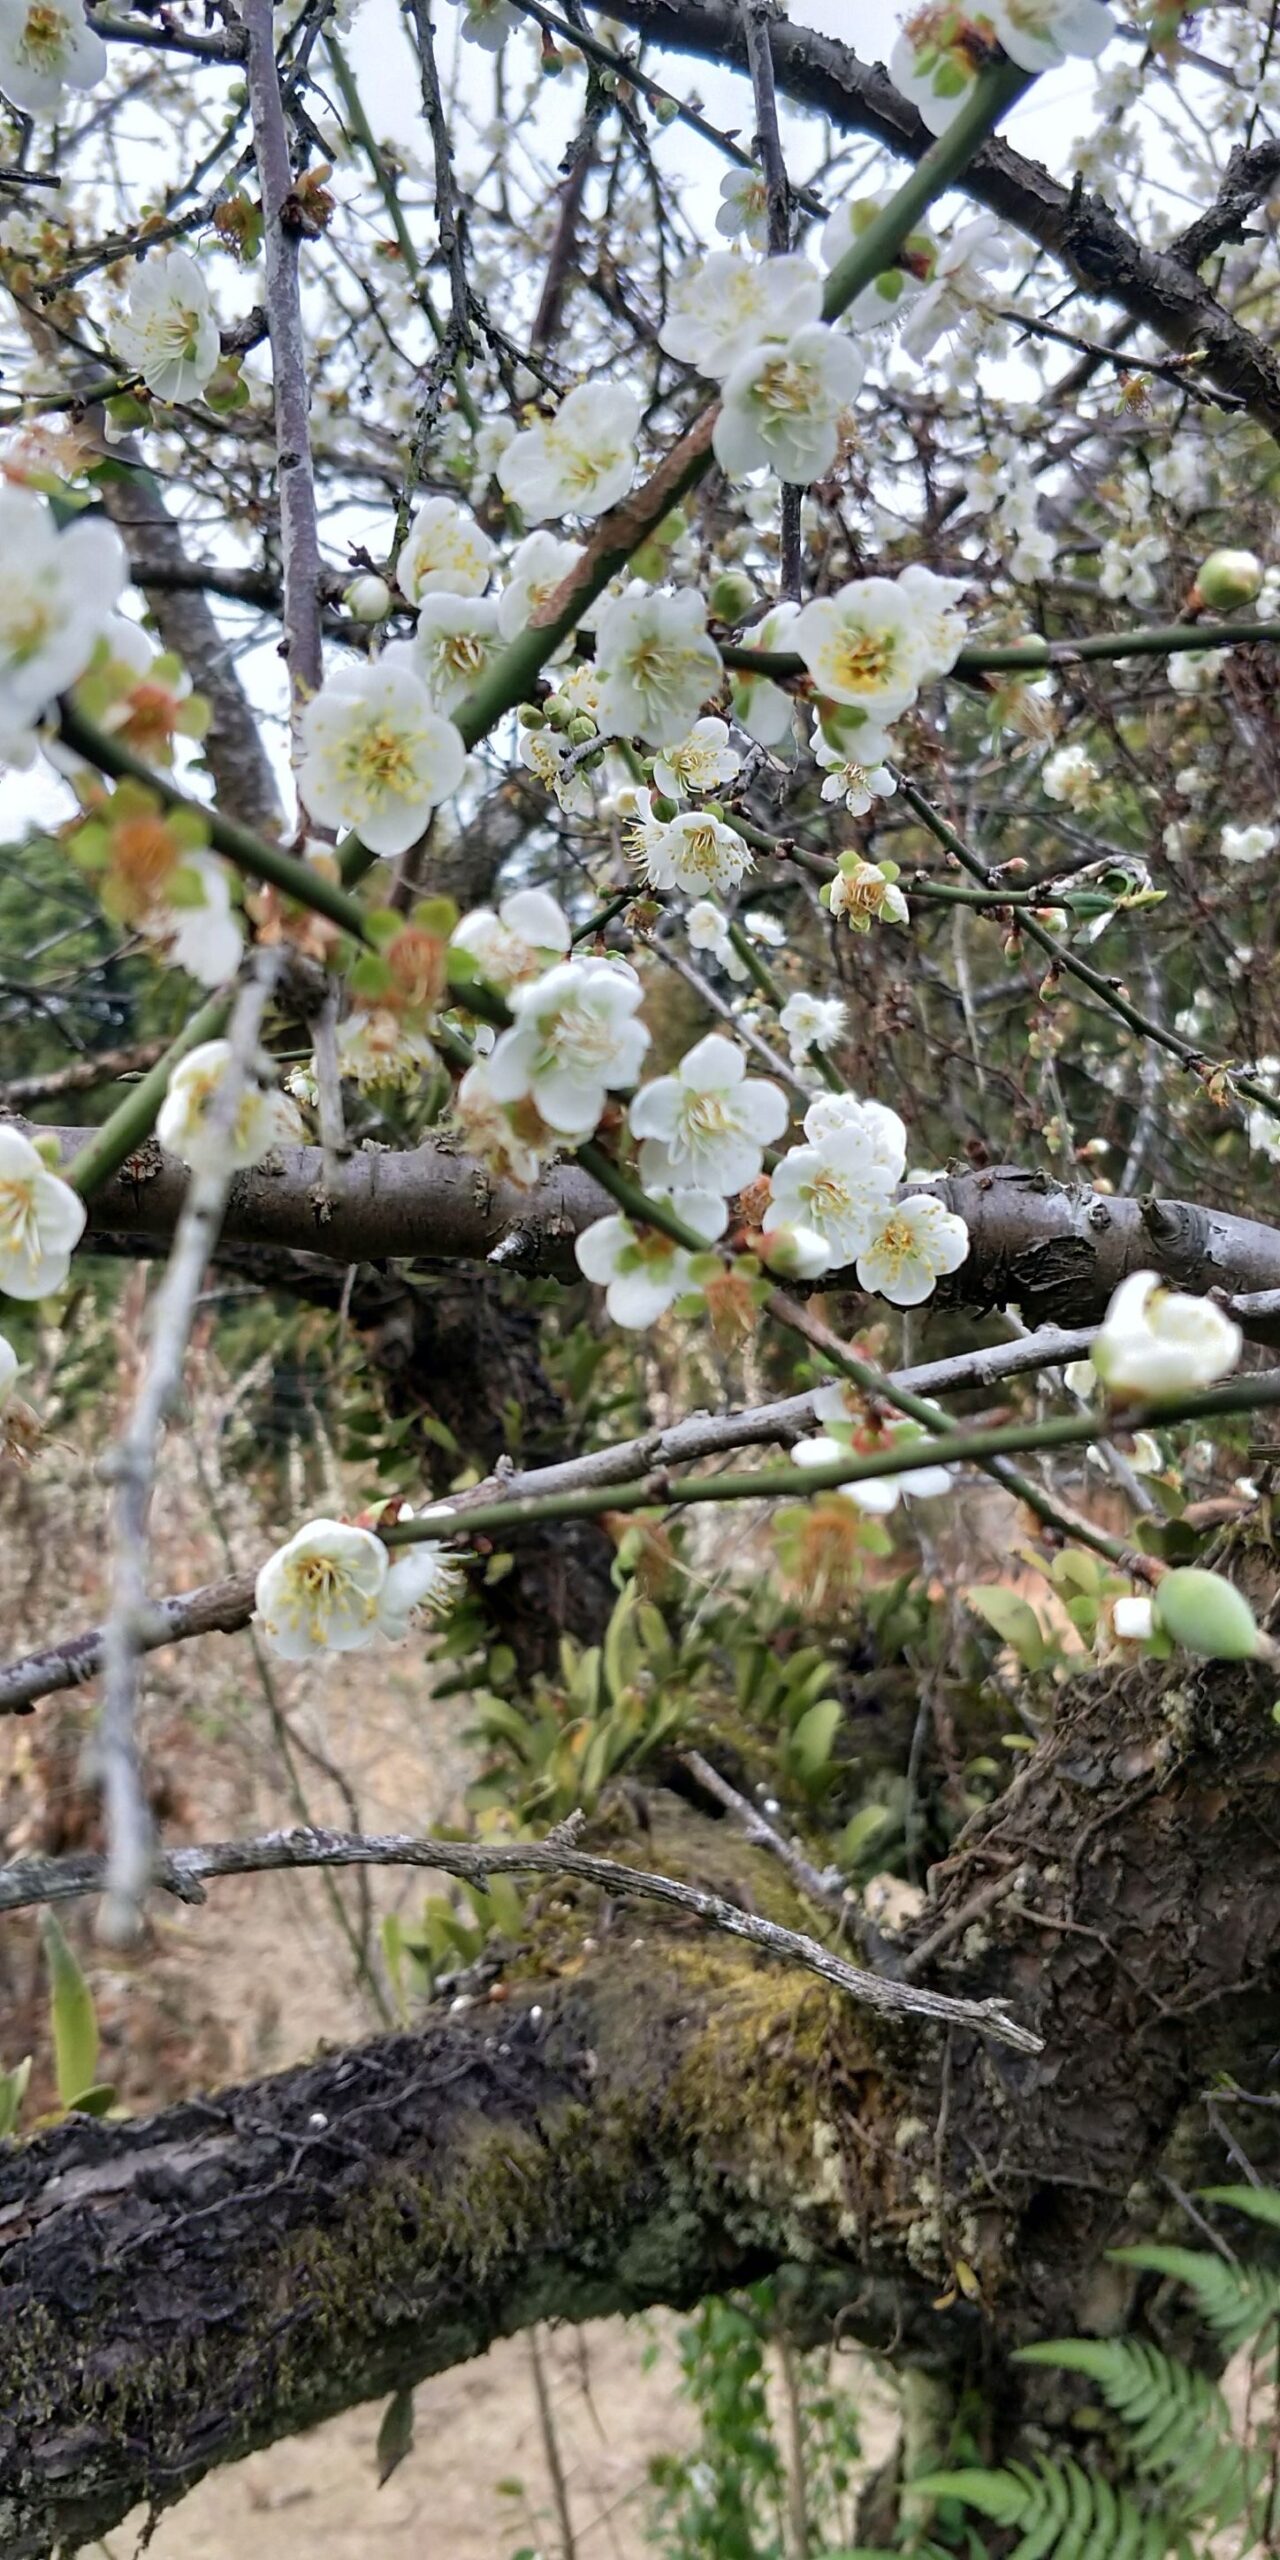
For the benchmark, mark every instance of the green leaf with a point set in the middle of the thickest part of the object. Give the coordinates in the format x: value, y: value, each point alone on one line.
x: 1013, y: 1619
x: 993, y: 2493
x: 13, y: 2089
x: 72, y: 2016
x: 809, y: 1748
x: 395, y: 2435
x: 1261, y: 2203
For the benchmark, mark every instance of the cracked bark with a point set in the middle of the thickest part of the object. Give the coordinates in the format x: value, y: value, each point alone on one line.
x: 650, y: 2116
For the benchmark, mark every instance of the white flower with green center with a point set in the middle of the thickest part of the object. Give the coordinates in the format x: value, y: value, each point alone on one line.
x: 1038, y: 34
x: 699, y: 762
x: 696, y: 853
x: 858, y: 780
x: 539, y: 566
x: 863, y: 646
x: 914, y: 1246
x: 456, y: 639
x: 759, y: 705
x: 1162, y: 1343
x: 864, y: 893
x: 420, y: 1582
x: 813, y: 1022
x: 707, y: 1126
x: 641, y: 1270
x: 56, y: 597
x: 574, y: 1040
x: 937, y: 57
x: 941, y: 627
x: 580, y: 461
x: 47, y: 46
x: 518, y: 942
x: 41, y: 1221
x: 377, y: 756
x: 263, y: 1117
x: 783, y: 403
x: 723, y: 306
x: 656, y: 666
x: 320, y: 1593
x: 169, y: 333
x: 377, y: 1052
x: 838, y: 1186
x: 444, y: 552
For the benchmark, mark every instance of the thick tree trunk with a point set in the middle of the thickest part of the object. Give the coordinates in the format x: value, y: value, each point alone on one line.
x: 645, y: 2116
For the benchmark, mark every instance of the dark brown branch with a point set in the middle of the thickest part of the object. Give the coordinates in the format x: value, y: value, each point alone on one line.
x: 1157, y: 288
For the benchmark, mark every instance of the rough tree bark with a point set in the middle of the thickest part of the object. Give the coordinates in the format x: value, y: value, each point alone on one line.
x: 643, y: 2116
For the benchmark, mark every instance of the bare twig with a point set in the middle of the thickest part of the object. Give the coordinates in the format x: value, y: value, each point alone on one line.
x: 285, y: 224
x: 184, y: 1873
x: 825, y: 1889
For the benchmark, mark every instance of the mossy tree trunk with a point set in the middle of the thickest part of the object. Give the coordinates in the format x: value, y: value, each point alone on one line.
x: 638, y: 2114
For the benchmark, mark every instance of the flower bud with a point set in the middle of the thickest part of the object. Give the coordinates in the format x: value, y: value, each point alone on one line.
x: 794, y: 1253
x: 368, y: 598
x: 1228, y: 579
x: 581, y: 730
x: 666, y: 110
x: 530, y: 717
x: 730, y: 595
x: 664, y: 811
x: 1133, y: 1618
x: 1206, y: 1615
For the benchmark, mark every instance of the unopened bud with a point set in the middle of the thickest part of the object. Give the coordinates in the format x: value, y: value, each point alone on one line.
x: 581, y: 730
x: 1207, y: 1615
x: 664, y: 810
x: 368, y: 598
x: 794, y: 1253
x: 1229, y: 579
x: 530, y: 717
x: 665, y: 110
x: 731, y: 594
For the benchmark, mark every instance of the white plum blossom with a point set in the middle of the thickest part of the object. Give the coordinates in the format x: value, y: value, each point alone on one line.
x: 864, y: 894
x: 513, y: 1141
x: 456, y: 638
x: 445, y: 551
x: 518, y: 942
x: 574, y: 1039
x: 813, y: 1022
x: 879, y: 1130
x: 1160, y: 1343
x: 580, y: 461
x: 941, y: 627
x: 320, y: 1592
x: 8, y: 1370
x: 263, y: 1118
x: 892, y: 293
x: 1070, y: 776
x: 47, y: 46
x: 707, y: 927
x: 56, y: 596
x: 723, y: 306
x: 706, y: 1127
x: 963, y: 268
x: 540, y: 564
x: 376, y: 755
x: 205, y: 934
x: 744, y: 207
x: 169, y: 333
x: 782, y: 405
x: 488, y: 23
x: 642, y: 1271
x: 697, y: 763
x: 419, y: 1581
x: 937, y: 56
x: 697, y: 853
x: 656, y: 665
x: 760, y: 706
x: 41, y: 1221
x: 1133, y: 1618
x: 1039, y: 34
x: 1247, y: 844
x: 878, y: 1494
x: 863, y: 646
x: 914, y: 1246
x: 837, y: 1184
x: 378, y: 1051
x: 858, y: 781
x: 549, y: 755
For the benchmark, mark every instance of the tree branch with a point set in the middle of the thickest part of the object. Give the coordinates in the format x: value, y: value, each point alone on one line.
x: 284, y: 226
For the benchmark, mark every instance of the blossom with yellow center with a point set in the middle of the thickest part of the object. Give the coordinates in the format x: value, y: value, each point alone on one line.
x: 783, y: 404
x: 376, y: 755
x: 320, y: 1592
x: 578, y: 462
x: 863, y: 646
x: 41, y: 1221
x: 47, y: 46
x: 915, y: 1245
x: 865, y: 893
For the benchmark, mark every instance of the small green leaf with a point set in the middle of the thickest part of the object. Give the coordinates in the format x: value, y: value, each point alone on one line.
x: 809, y: 1749
x: 72, y: 2015
x: 1013, y: 1619
x: 13, y: 2089
x: 395, y: 2435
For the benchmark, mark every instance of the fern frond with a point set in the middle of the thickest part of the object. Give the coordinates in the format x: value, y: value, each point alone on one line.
x: 1262, y: 2204
x: 1237, y: 2302
x: 1063, y: 2513
x: 1177, y: 2423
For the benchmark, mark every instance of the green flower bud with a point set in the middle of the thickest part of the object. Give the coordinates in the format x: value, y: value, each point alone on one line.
x: 664, y: 810
x: 580, y: 730
x: 368, y: 598
x: 666, y: 110
x: 1207, y: 1615
x: 1229, y: 579
x: 530, y: 717
x: 731, y: 594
